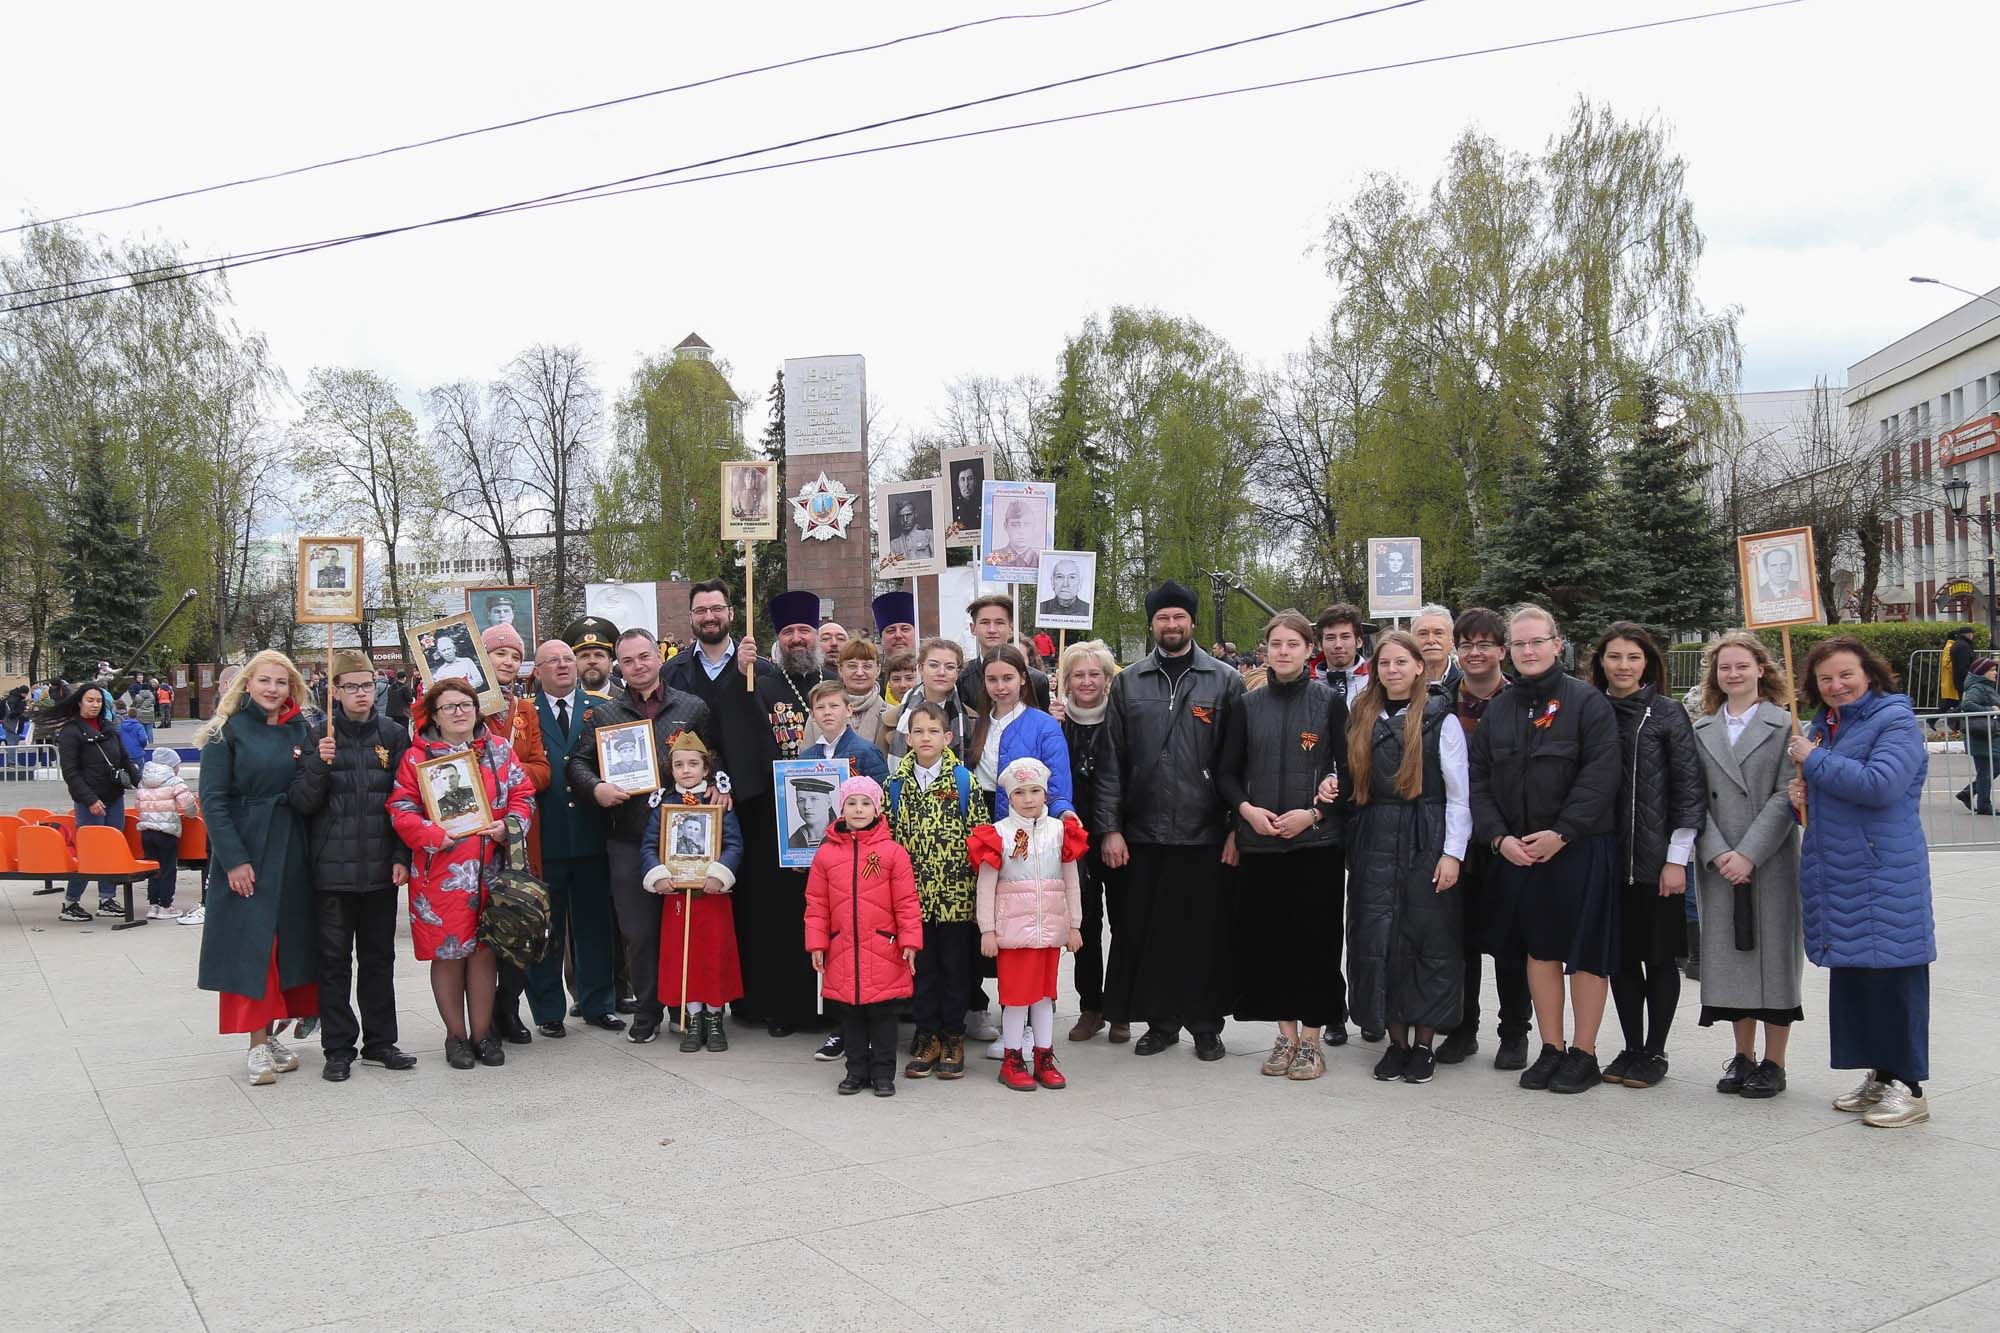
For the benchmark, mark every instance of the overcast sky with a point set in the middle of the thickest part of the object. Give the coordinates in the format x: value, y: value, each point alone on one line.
x: 1835, y: 148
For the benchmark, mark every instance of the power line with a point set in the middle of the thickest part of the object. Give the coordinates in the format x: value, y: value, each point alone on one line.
x: 552, y: 115
x: 256, y: 257
x: 220, y: 263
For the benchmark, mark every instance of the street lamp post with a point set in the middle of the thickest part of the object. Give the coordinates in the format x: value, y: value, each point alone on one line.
x: 1956, y: 493
x: 1952, y: 286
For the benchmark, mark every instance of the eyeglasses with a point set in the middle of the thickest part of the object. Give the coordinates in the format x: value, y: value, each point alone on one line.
x: 460, y: 707
x: 356, y: 689
x: 1533, y: 643
x: 1479, y: 646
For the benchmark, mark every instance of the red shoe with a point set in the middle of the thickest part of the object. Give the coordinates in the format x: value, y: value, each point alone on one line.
x: 1014, y: 1073
x: 1046, y: 1072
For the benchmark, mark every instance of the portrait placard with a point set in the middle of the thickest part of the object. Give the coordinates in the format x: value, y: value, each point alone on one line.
x: 1017, y: 523
x: 690, y: 842
x: 626, y: 758
x: 907, y: 517
x: 1779, y: 578
x: 1065, y: 588
x: 749, y: 502
x: 805, y: 789
x: 505, y: 604
x: 329, y: 581
x: 454, y: 795
x: 1395, y: 576
x: 451, y: 649
x: 965, y: 473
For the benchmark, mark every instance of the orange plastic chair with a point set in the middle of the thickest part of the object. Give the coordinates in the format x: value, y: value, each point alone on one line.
x: 132, y: 838
x: 40, y: 850
x: 9, y: 827
x: 194, y: 840
x: 33, y: 814
x: 101, y: 851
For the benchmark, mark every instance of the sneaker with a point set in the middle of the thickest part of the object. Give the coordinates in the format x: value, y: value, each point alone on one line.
x: 643, y: 1030
x: 1421, y: 1066
x: 305, y: 1028
x: 1308, y: 1063
x: 282, y: 1058
x: 1620, y: 1064
x: 1735, y: 1073
x: 885, y: 1087
x: 1963, y: 796
x: 1392, y: 1064
x: 1765, y: 1081
x: 1867, y: 1093
x: 979, y: 1025
x: 1536, y: 1077
x: 833, y: 1048
x: 109, y: 907
x: 1899, y: 1107
x: 1457, y: 1046
x: 951, y: 1058
x: 196, y: 915
x: 1646, y: 1071
x: 261, y: 1069
x: 73, y: 912
x: 924, y: 1062
x: 1279, y: 1062
x: 155, y: 912
x: 1577, y: 1072
x: 997, y: 1049
x: 1513, y: 1053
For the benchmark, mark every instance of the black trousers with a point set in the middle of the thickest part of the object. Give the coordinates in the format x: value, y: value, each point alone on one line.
x: 945, y: 968
x: 869, y: 1036
x: 638, y: 916
x: 1510, y: 963
x: 1102, y: 891
x: 363, y: 926
x: 164, y: 848
x: 580, y: 918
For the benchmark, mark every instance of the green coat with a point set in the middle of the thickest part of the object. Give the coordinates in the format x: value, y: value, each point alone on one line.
x: 247, y: 774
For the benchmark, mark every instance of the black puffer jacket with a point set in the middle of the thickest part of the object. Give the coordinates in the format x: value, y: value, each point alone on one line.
x: 1290, y: 735
x: 1661, y: 787
x: 349, y: 840
x: 1156, y: 784
x: 1562, y: 776
x: 680, y: 711
x: 92, y: 759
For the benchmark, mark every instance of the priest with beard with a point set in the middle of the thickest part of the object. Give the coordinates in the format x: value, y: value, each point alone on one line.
x: 757, y: 727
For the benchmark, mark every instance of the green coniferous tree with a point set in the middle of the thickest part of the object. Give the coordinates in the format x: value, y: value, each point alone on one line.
x: 109, y: 574
x: 1675, y: 571
x: 1551, y: 546
x: 773, y: 565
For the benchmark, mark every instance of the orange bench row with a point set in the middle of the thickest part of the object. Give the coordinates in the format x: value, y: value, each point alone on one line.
x: 30, y: 845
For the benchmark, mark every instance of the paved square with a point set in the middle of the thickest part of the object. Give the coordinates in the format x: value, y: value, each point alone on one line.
x: 594, y: 1184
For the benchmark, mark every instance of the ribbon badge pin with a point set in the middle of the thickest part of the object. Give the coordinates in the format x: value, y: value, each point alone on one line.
x: 1308, y: 740
x: 1203, y: 713
x: 1548, y: 717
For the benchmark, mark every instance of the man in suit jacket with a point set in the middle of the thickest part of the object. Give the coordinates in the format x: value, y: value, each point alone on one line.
x: 566, y: 844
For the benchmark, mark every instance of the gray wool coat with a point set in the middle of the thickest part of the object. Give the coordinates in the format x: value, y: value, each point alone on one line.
x: 1748, y: 813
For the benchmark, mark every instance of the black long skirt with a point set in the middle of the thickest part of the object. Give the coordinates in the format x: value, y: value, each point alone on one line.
x: 1169, y: 962
x: 1285, y: 924
x: 778, y: 981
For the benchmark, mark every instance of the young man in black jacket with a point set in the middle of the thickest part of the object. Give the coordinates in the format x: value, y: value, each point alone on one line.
x: 358, y: 866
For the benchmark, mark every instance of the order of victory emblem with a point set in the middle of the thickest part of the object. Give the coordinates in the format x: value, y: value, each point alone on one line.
x: 823, y: 509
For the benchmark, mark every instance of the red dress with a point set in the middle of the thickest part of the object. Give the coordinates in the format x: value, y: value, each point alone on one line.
x: 254, y: 1013
x: 714, y: 976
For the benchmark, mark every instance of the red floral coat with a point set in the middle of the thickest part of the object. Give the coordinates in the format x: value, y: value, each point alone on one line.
x: 862, y: 909
x: 450, y: 877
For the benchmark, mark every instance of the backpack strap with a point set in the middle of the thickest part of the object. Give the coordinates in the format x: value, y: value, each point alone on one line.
x: 894, y: 792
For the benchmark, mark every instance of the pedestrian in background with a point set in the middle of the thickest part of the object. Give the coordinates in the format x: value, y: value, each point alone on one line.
x: 98, y: 770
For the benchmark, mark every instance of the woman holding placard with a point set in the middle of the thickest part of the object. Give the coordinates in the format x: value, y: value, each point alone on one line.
x: 455, y: 856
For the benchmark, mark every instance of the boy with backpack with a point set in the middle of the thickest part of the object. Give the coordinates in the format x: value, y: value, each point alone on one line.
x: 933, y: 806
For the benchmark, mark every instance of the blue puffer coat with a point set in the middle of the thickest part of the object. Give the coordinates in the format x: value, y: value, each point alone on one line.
x: 1865, y: 877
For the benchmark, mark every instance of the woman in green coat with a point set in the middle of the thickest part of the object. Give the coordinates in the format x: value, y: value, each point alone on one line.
x: 258, y: 947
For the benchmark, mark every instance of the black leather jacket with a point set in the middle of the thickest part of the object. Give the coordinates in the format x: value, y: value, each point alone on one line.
x: 352, y: 845
x: 1156, y: 784
x: 679, y: 711
x: 1661, y: 788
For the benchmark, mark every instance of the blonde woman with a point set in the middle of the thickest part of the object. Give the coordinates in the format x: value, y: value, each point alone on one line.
x: 1083, y: 683
x: 259, y: 948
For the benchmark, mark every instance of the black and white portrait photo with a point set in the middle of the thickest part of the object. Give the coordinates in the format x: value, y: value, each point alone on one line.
x: 625, y: 757
x: 329, y: 580
x: 965, y: 473
x: 805, y: 790
x: 1778, y: 581
x: 1395, y: 575
x: 749, y: 502
x: 1018, y: 523
x: 451, y: 656
x: 1063, y: 591
x: 907, y: 529
x: 454, y: 796
x: 509, y: 605
x: 690, y: 833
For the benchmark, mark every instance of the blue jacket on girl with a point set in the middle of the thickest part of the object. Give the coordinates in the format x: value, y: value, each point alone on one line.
x: 1865, y: 875
x: 1036, y: 735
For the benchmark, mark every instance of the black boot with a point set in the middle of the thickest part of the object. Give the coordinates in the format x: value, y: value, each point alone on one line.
x: 1692, y: 970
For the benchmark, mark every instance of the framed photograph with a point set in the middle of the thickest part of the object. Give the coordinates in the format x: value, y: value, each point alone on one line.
x: 454, y: 795
x: 749, y: 502
x: 505, y: 604
x: 450, y: 649
x: 805, y: 790
x: 907, y: 527
x: 965, y: 473
x: 1065, y: 587
x: 1779, y: 578
x: 329, y: 581
x: 691, y: 841
x: 1395, y: 576
x: 626, y: 758
x: 1017, y: 523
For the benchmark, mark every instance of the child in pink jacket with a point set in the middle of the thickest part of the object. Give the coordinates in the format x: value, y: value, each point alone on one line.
x: 162, y: 799
x: 1030, y: 907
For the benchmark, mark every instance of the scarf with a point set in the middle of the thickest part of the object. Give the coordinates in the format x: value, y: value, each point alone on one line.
x: 1085, y: 717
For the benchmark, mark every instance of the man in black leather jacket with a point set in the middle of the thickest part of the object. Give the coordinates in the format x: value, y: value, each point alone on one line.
x: 1158, y: 813
x: 358, y: 864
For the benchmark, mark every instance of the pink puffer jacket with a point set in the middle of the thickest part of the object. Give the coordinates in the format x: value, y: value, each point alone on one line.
x: 1036, y: 901
x: 862, y: 909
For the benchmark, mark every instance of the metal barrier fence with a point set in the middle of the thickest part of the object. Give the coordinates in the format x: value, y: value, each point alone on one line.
x: 1957, y: 743
x: 29, y: 763
x: 1683, y: 670
x: 1920, y: 679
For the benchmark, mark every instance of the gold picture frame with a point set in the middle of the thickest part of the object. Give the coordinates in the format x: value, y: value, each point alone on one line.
x: 682, y: 829
x: 627, y: 758
x: 461, y: 807
x: 1772, y: 597
x: 750, y: 500
x: 329, y: 580
x: 451, y: 649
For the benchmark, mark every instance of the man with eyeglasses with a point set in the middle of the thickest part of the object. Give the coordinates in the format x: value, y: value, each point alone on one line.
x: 1481, y: 638
x: 358, y: 865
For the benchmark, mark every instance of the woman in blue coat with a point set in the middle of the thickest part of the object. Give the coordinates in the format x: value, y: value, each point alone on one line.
x: 1864, y: 878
